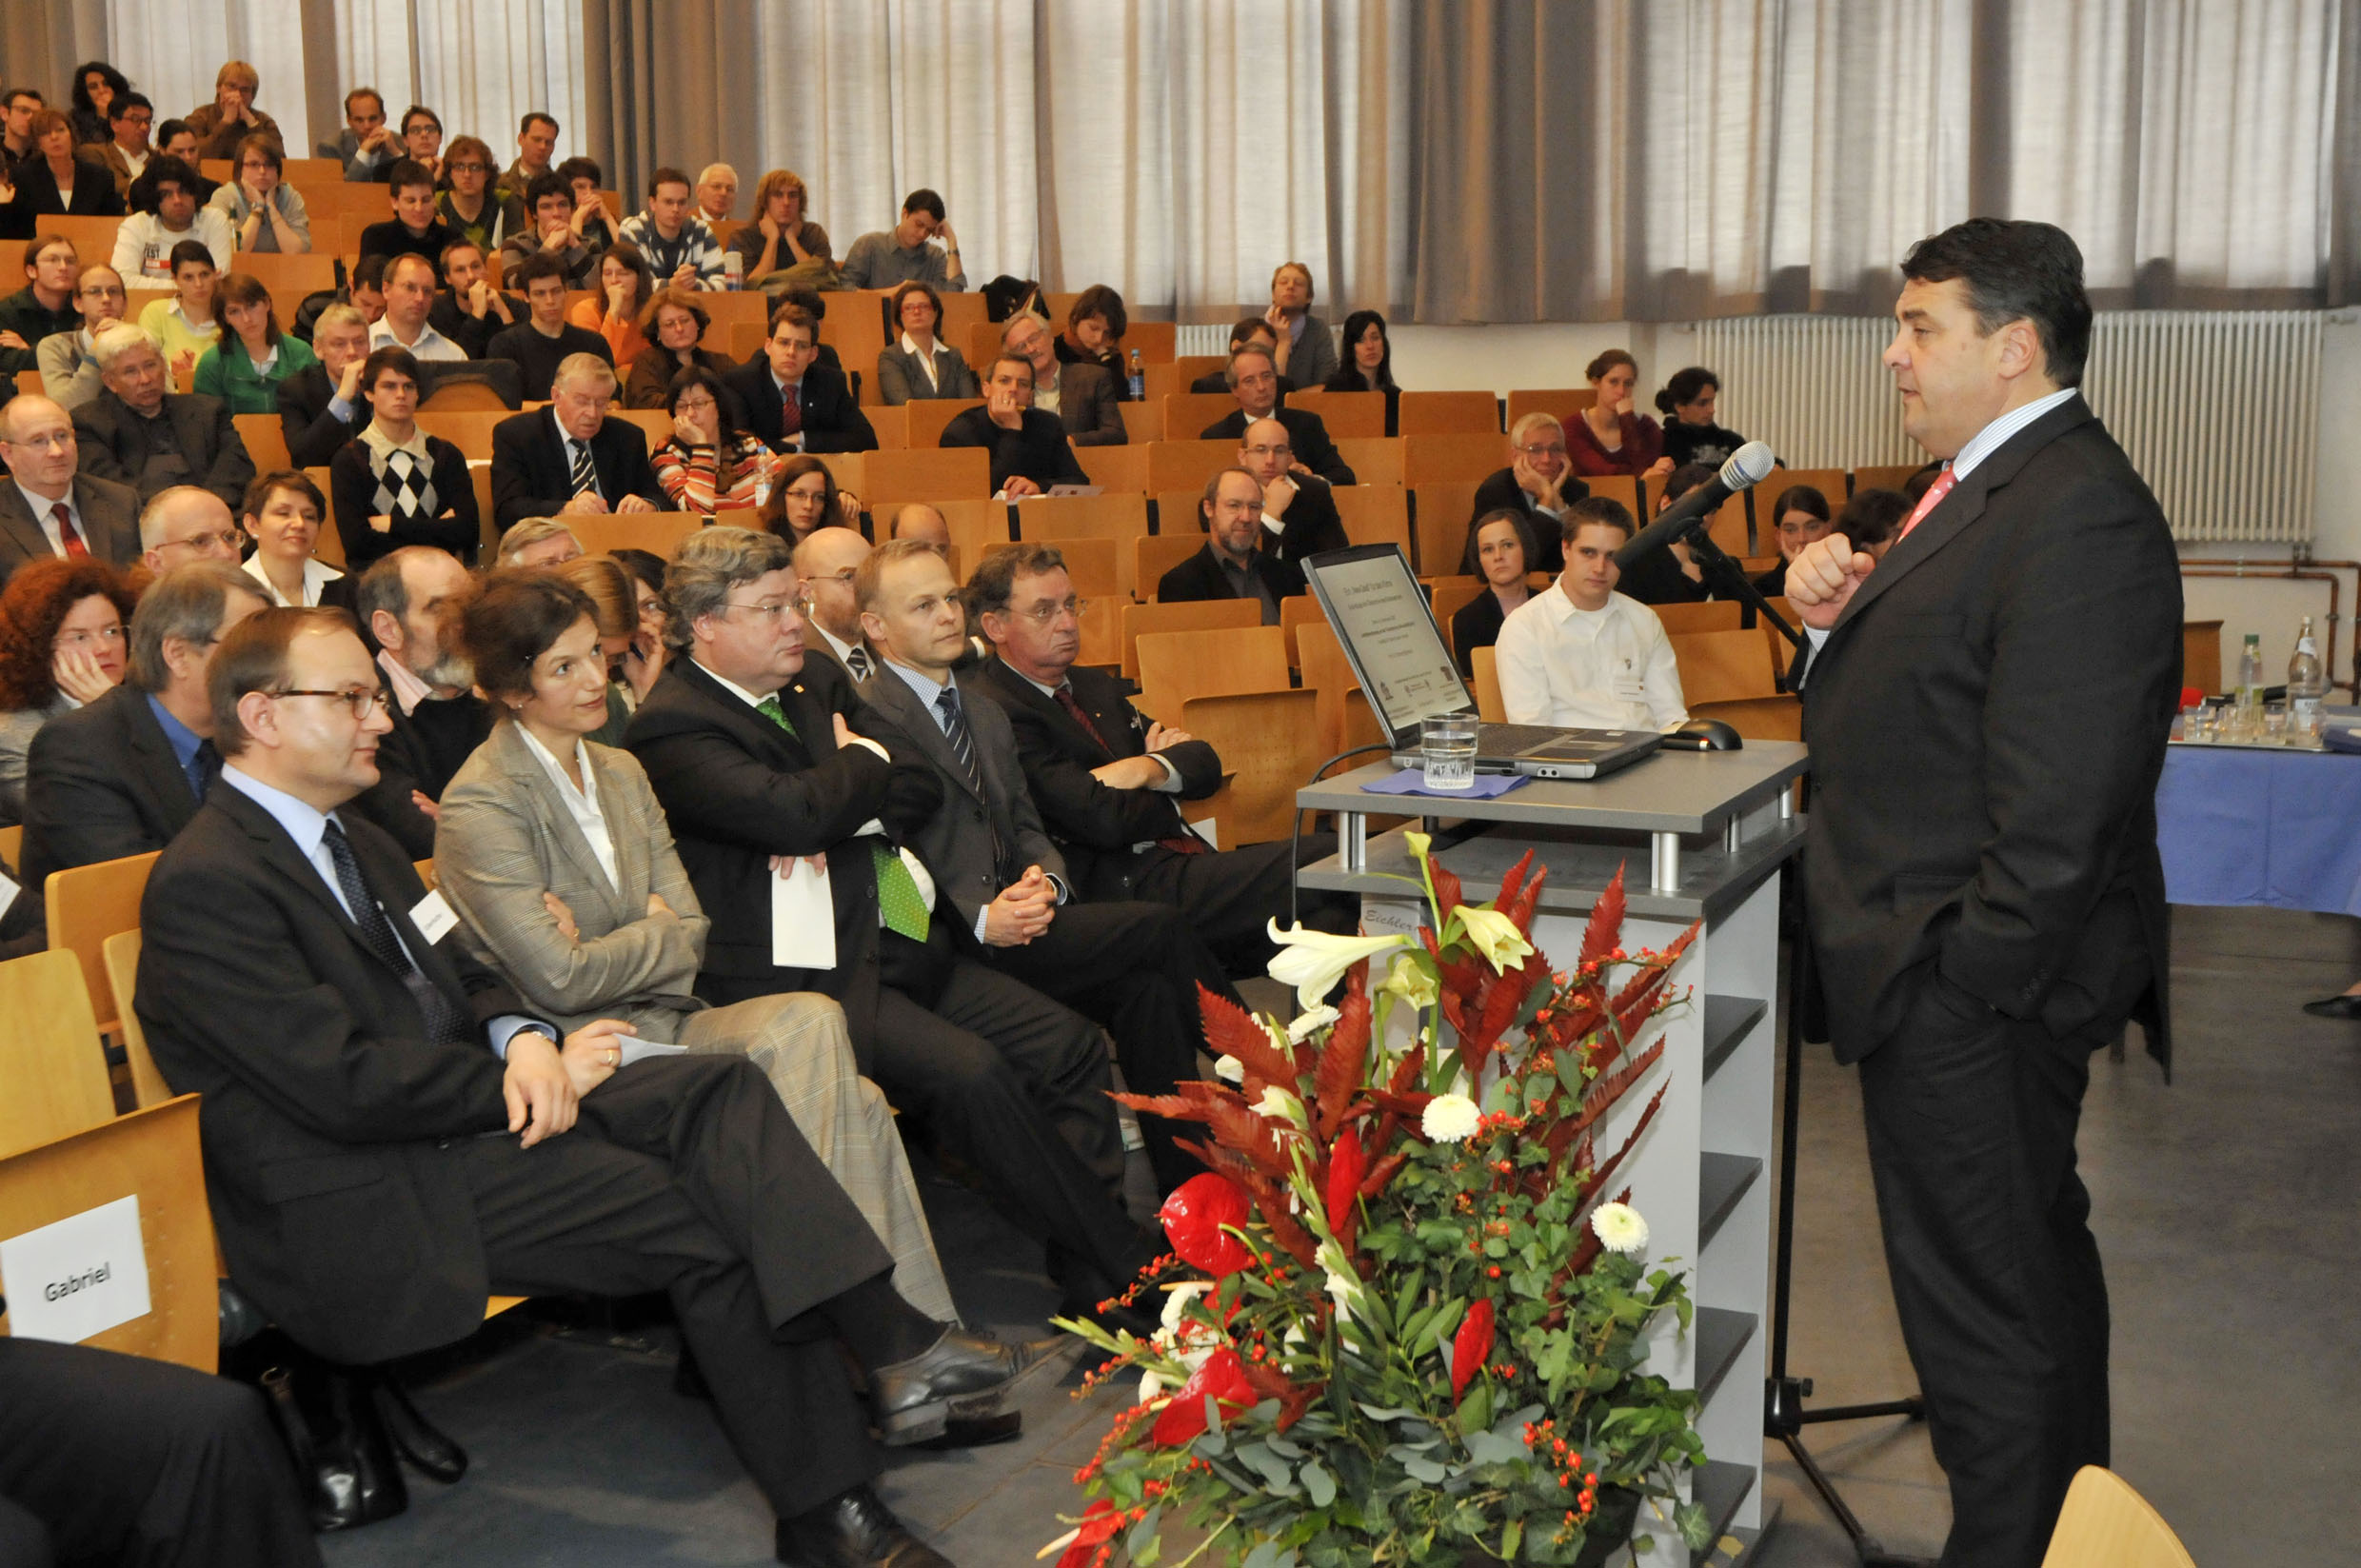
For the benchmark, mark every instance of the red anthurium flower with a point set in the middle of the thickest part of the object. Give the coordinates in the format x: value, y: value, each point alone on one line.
x: 1102, y: 1520
x: 1193, y: 1217
x: 1347, y: 1164
x: 1469, y: 1346
x: 1224, y: 1376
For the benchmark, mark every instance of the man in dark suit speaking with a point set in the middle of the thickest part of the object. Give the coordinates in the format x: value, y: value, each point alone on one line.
x: 1987, y: 708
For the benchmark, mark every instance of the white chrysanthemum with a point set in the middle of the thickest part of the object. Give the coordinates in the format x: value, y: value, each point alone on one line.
x: 1449, y: 1119
x: 1151, y: 1387
x: 1310, y: 1021
x: 1277, y: 1104
x: 1229, y: 1070
x: 1619, y: 1228
x: 1178, y: 1299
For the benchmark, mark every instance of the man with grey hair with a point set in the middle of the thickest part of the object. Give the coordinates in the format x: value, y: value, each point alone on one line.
x: 539, y: 542
x: 185, y: 523
x: 717, y: 193
x: 48, y: 510
x: 408, y: 604
x: 320, y: 407
x: 139, y: 432
x: 570, y: 457
x: 1083, y: 396
x: 122, y: 774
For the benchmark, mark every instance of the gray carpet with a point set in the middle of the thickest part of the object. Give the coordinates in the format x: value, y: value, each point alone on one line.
x: 2225, y: 1208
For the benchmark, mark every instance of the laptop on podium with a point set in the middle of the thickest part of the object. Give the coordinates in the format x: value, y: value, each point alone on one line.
x: 1389, y: 635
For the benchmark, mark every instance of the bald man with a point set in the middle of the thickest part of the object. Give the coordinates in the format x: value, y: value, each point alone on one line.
x: 1299, y: 510
x: 920, y: 521
x: 186, y: 524
x: 48, y: 507
x: 826, y: 561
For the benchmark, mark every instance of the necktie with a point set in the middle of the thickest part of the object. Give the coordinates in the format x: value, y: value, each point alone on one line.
x: 792, y: 409
x: 75, y: 548
x: 1074, y: 711
x: 446, y: 1023
x: 900, y: 905
x: 585, y: 472
x: 955, y: 730
x: 209, y: 767
x: 857, y: 660
x: 1941, y: 488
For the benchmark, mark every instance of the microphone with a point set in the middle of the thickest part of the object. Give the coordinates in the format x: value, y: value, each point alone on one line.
x: 1748, y: 466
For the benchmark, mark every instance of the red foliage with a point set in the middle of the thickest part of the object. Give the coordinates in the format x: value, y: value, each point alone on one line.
x: 1193, y: 1217
x: 1470, y: 1345
x: 1100, y: 1520
x: 1606, y: 923
x: 1294, y: 1399
x: 1230, y: 1030
x: 1224, y: 1376
x: 1347, y: 1164
x: 1345, y: 1056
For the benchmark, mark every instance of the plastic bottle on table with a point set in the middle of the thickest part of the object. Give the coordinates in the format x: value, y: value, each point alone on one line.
x: 1138, y: 377
x: 2307, y: 683
x: 2250, y: 688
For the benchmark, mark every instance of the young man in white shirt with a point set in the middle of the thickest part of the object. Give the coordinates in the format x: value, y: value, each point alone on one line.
x: 1582, y: 654
x: 410, y: 297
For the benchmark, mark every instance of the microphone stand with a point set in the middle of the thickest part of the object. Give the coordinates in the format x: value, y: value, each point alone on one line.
x: 1726, y: 577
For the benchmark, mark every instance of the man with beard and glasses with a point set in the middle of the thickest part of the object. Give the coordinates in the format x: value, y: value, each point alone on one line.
x: 408, y: 604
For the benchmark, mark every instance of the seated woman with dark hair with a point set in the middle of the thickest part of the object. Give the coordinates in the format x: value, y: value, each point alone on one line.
x: 709, y: 462
x: 1502, y: 542
x: 62, y: 644
x: 1690, y: 433
x: 555, y: 856
x: 282, y: 515
x: 919, y: 363
x: 1873, y: 520
x: 1368, y: 364
x: 645, y: 658
x: 1094, y: 334
x: 394, y: 483
x: 1608, y: 438
x: 247, y: 362
x: 55, y: 178
x: 802, y: 497
x: 625, y: 287
x: 672, y: 324
x: 1797, y: 517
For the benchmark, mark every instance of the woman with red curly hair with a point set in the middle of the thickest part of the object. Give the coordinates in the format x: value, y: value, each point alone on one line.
x: 62, y: 644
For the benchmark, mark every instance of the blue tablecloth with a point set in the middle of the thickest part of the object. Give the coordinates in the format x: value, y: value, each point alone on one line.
x: 2276, y: 828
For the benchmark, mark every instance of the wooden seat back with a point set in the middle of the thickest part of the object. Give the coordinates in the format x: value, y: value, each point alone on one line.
x: 89, y: 904
x: 1720, y: 666
x: 1269, y: 746
x: 51, y: 1063
x: 1197, y: 615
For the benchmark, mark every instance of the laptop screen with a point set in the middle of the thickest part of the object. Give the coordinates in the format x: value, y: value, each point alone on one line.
x: 1388, y: 633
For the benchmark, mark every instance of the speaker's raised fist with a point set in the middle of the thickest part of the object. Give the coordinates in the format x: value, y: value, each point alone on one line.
x: 1821, y: 579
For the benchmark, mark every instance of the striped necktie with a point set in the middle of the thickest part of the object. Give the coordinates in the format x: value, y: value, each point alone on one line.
x: 955, y: 730
x: 585, y: 472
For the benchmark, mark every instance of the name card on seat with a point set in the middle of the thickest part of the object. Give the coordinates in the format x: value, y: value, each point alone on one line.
x: 76, y: 1276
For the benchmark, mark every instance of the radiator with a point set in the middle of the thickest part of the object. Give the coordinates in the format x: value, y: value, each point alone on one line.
x: 2218, y: 410
x: 1201, y: 337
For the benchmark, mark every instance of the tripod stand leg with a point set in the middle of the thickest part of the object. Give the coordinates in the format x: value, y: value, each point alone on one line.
x: 1866, y: 1547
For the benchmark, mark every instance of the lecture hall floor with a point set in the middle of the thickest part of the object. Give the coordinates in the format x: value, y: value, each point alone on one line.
x: 2225, y: 1206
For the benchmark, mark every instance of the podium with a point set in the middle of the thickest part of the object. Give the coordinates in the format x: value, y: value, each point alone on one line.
x: 1701, y: 836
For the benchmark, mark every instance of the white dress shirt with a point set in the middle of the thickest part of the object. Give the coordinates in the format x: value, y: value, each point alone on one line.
x: 925, y: 361
x: 582, y: 804
x: 1610, y: 669
x: 317, y: 574
x: 431, y: 345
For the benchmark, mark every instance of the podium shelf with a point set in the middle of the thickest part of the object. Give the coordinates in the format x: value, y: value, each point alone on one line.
x: 1721, y: 1487
x: 1722, y: 1180
x: 1671, y: 792
x: 1727, y: 1019
x: 1721, y: 1335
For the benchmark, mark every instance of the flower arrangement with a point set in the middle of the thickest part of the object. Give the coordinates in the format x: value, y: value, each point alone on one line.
x: 1421, y: 1330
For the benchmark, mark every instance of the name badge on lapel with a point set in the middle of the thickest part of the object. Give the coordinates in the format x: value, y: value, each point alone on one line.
x: 434, y: 917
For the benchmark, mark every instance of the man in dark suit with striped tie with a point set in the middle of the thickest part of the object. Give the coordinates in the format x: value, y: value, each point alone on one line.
x: 570, y: 457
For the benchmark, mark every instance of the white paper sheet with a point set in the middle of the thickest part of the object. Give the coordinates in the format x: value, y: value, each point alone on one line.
x: 802, y: 918
x: 77, y: 1276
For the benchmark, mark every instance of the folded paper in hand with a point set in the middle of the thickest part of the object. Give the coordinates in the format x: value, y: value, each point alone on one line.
x: 802, y: 918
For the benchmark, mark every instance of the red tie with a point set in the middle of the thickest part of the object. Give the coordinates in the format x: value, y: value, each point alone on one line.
x: 1941, y: 488
x: 1179, y: 844
x: 75, y: 548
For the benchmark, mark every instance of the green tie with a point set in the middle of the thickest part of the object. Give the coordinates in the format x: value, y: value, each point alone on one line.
x: 901, y: 908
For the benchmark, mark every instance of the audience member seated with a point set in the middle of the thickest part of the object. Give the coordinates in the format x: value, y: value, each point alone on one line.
x: 124, y: 774
x: 645, y: 658
x: 52, y: 506
x: 96, y: 85
x: 137, y: 433
x: 44, y: 308
x: 554, y: 228
x: 185, y: 523
x: 1108, y: 782
x: 1368, y: 364
x: 422, y: 140
x: 1254, y: 380
x: 174, y: 140
x: 59, y: 179
x: 708, y: 464
x: 130, y: 119
x: 717, y: 194
x: 1582, y: 655
x: 1672, y: 575
x: 772, y: 1272
x: 581, y: 177
x: 919, y: 364
x: 917, y: 520
x: 468, y: 207
x: 187, y: 323
x: 1233, y: 565
x: 364, y: 291
x: 221, y: 125
x: 536, y: 544
x: 825, y: 563
x: 615, y: 619
x: 1083, y: 396
x: 901, y: 254
x: 545, y: 339
x: 119, y: 1459
x: 409, y: 605
x: 557, y: 860
x: 409, y: 306
x: 472, y: 308
x: 1799, y: 516
x: 1306, y: 353
x: 1093, y: 334
x: 16, y: 143
x: 1873, y: 520
x: 755, y: 753
x: 395, y: 485
x: 1502, y: 543
x: 249, y: 363
x: 1539, y: 485
x: 570, y: 457
x: 804, y: 496
x: 1298, y: 509
x: 366, y: 146
x: 165, y: 215
x: 1028, y: 448
x: 795, y: 402
x: 783, y: 244
x: 1690, y: 433
x: 414, y: 230
x: 284, y: 513
x: 320, y: 407
x: 1249, y: 331
x: 625, y: 287
x: 671, y: 322
x: 1609, y: 438
x: 61, y: 647
x: 1133, y: 967
x: 68, y: 370
x: 680, y: 246
x: 265, y: 214
x: 537, y: 142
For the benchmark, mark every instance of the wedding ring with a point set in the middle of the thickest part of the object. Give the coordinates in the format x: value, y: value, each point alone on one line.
x: 614, y: 1058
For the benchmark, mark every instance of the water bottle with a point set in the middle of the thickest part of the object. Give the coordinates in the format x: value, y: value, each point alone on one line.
x: 1138, y: 378
x: 733, y: 270
x: 2306, y: 685
x: 2250, y: 688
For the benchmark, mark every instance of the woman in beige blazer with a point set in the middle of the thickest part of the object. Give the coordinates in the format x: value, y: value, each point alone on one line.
x: 559, y: 862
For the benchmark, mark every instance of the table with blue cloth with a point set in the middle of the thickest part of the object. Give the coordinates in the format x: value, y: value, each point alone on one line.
x: 2261, y: 826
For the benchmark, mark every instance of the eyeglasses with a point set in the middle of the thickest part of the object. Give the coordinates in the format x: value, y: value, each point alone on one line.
x: 1046, y: 614
x: 470, y: 168
x: 1270, y: 451
x: 1559, y: 451
x: 224, y: 540
x: 84, y: 638
x: 357, y: 700
x: 772, y: 610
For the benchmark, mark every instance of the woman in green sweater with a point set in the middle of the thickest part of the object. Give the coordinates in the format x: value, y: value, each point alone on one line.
x: 245, y: 368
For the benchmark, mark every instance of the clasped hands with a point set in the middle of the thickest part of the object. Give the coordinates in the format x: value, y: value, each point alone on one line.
x: 1022, y: 911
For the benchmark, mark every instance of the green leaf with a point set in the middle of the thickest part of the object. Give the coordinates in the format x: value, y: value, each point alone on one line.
x: 1509, y: 1539
x: 1476, y: 1410
x: 1494, y: 1447
x: 1319, y: 1486
x: 1140, y: 1545
x: 1696, y: 1528
x: 1425, y: 1469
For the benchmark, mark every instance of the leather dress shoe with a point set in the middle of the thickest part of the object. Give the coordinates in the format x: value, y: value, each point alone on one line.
x: 338, y: 1441
x: 854, y: 1529
x: 426, y: 1447
x: 976, y: 1431
x: 961, y: 1374
x: 2345, y: 1006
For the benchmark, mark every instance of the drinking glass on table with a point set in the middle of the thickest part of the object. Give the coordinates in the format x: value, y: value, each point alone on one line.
x: 1447, y: 747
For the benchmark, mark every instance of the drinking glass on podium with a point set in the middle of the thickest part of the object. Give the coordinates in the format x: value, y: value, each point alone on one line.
x: 1447, y: 747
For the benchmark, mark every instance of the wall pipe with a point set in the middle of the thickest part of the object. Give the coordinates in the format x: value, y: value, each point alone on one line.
x: 2302, y: 571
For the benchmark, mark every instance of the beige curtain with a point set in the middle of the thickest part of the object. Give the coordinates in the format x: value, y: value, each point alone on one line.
x: 480, y: 64
x: 670, y: 82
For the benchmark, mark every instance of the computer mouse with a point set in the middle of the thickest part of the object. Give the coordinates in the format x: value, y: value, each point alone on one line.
x: 1704, y: 735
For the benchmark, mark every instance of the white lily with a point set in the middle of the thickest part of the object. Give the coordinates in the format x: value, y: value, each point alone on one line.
x: 1344, y: 1287
x: 1494, y: 935
x: 1419, y: 842
x: 1150, y: 1386
x: 1313, y: 961
x: 1178, y: 1299
x: 1409, y: 981
x: 1310, y: 1021
x: 1279, y: 1105
x: 1229, y: 1070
